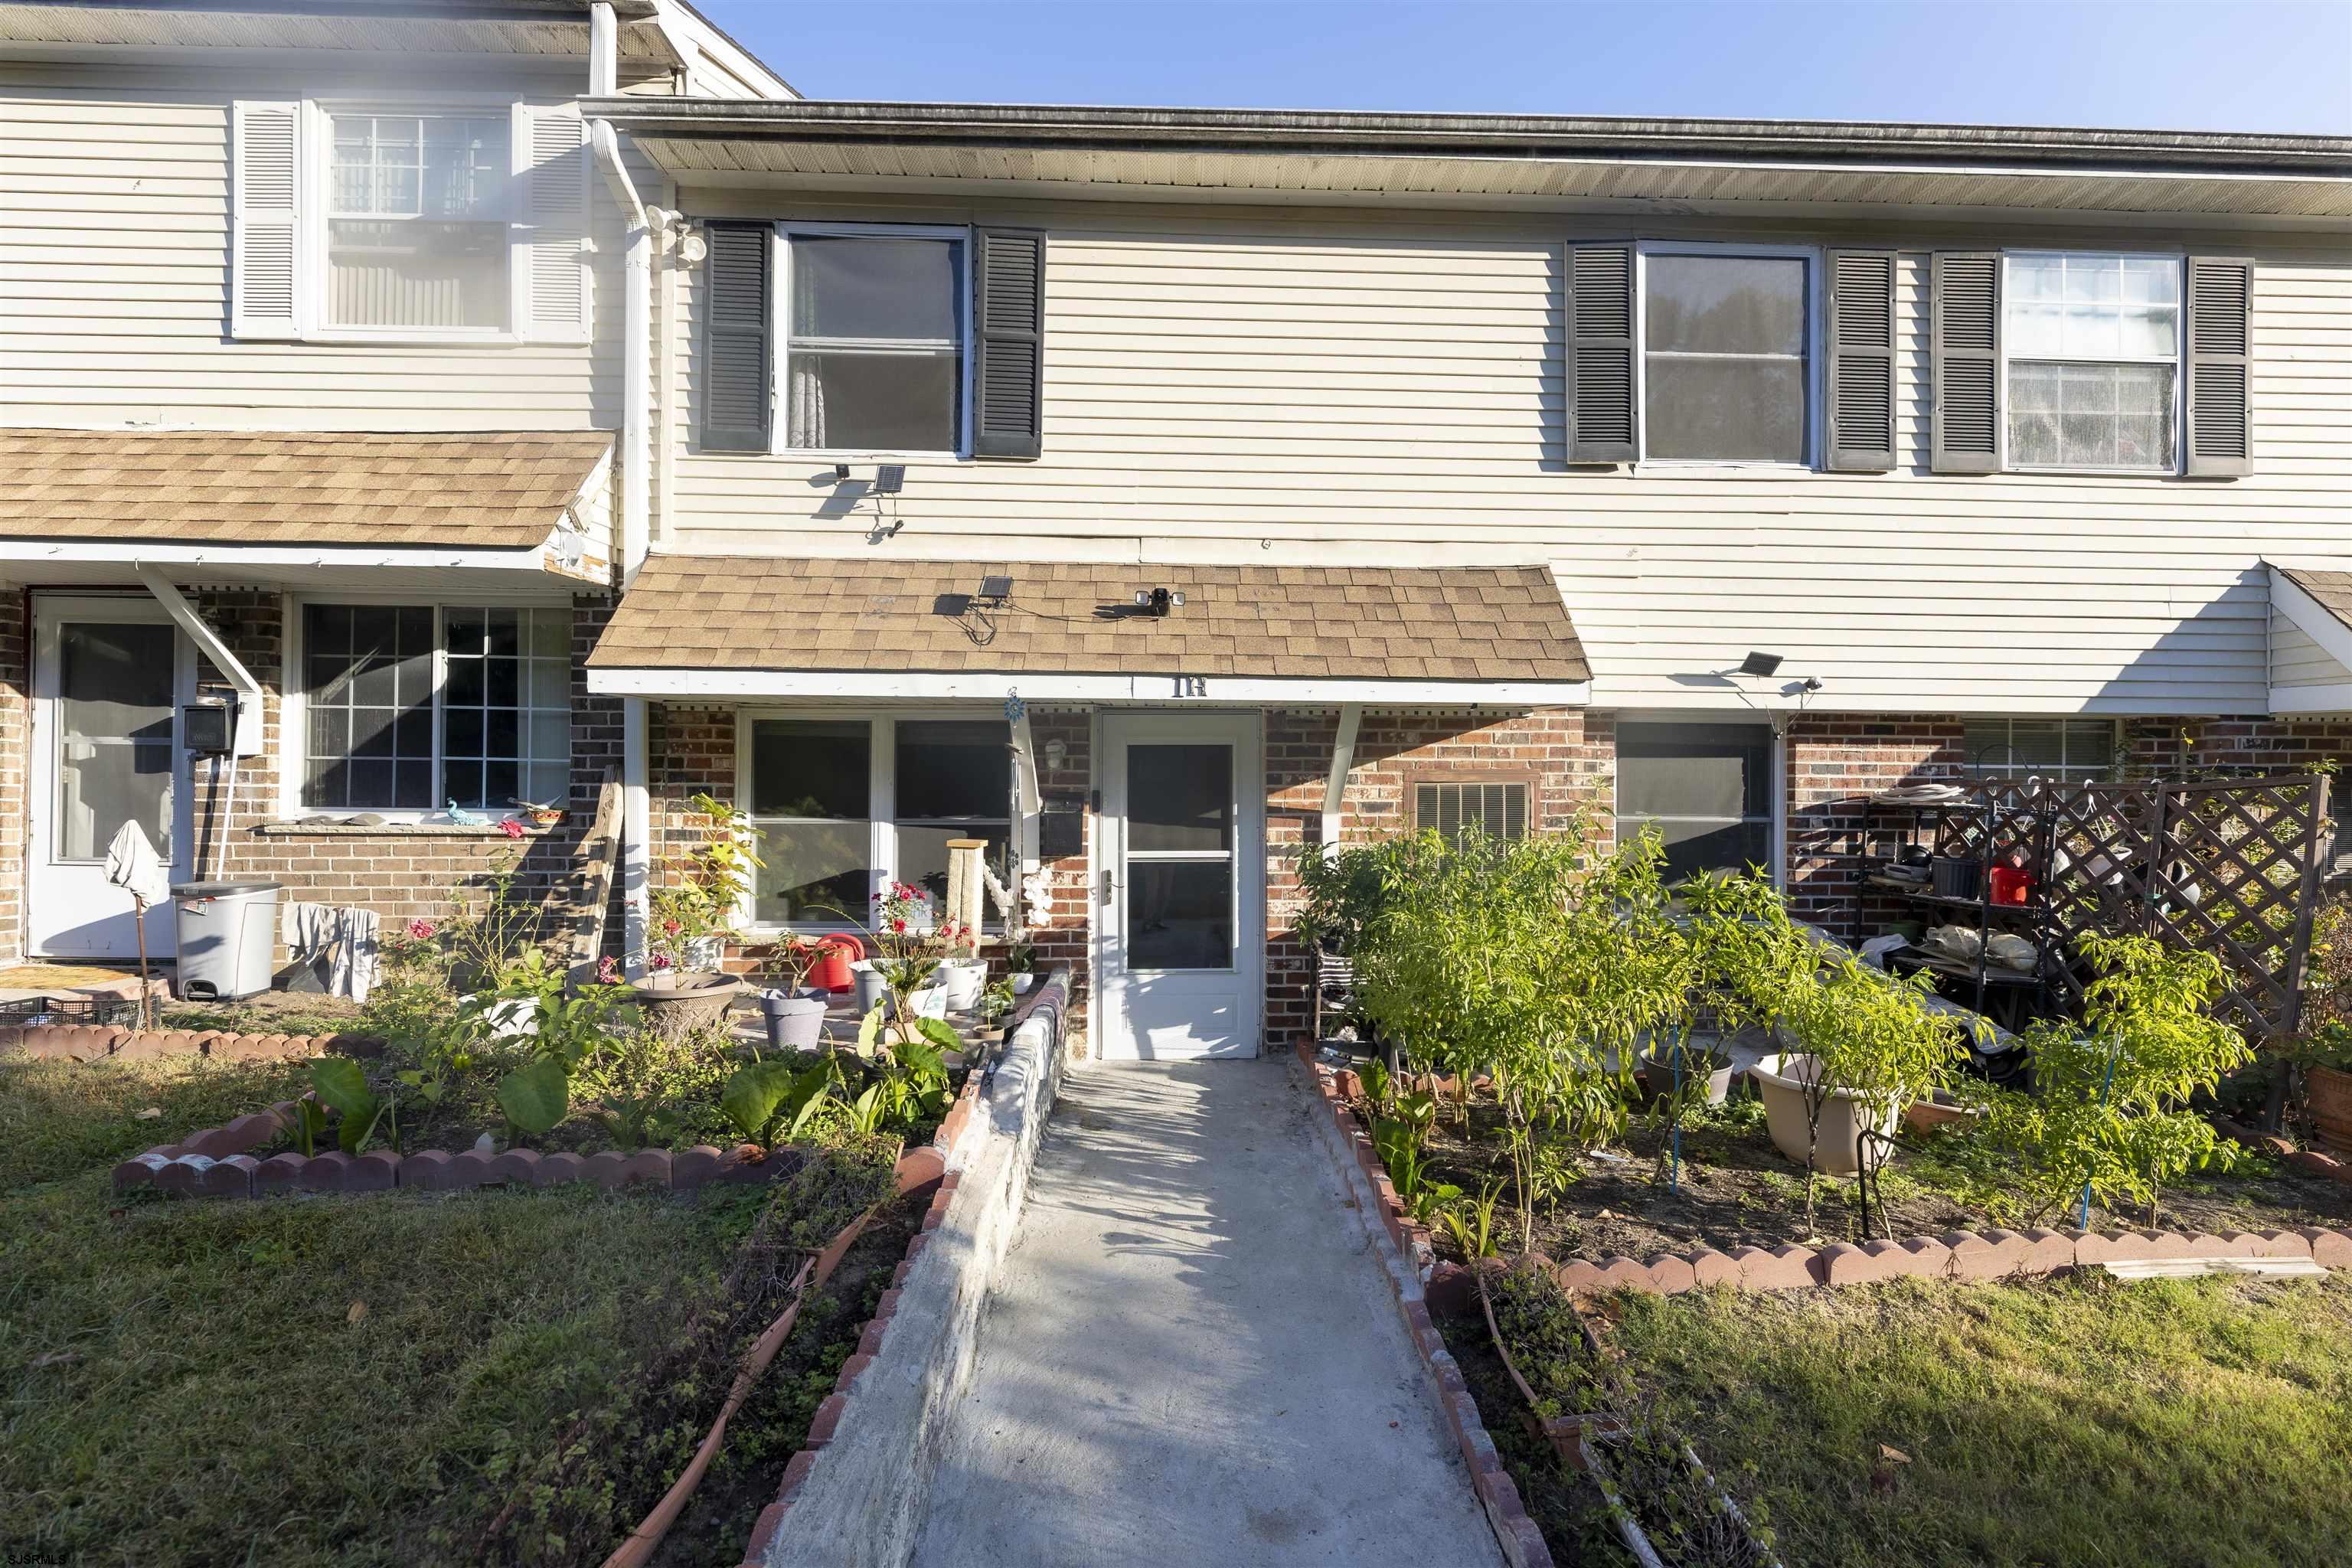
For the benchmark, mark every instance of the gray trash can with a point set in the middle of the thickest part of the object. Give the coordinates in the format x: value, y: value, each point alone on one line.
x: 227, y: 932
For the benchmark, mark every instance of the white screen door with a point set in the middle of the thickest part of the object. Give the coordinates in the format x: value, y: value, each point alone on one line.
x: 108, y: 678
x: 1179, y: 908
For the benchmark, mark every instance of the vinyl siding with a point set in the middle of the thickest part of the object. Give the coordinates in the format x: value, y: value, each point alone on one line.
x: 114, y: 239
x: 2297, y: 660
x: 1385, y: 388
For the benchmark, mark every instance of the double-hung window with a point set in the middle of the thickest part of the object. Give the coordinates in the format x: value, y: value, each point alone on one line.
x: 874, y: 341
x: 417, y: 225
x: 414, y: 707
x: 2091, y: 343
x: 840, y: 806
x: 1726, y: 356
x: 1708, y: 788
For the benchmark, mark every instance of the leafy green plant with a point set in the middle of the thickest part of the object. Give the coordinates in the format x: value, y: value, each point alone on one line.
x: 701, y: 890
x: 770, y: 1102
x: 340, y: 1083
x: 1380, y: 1084
x: 536, y: 1097
x: 1469, y: 1222
x: 2108, y: 1117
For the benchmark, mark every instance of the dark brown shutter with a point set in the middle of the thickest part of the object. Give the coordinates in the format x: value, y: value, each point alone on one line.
x: 1603, y: 423
x: 2221, y: 356
x: 1008, y: 314
x: 1862, y: 360
x: 1966, y: 438
x: 737, y: 359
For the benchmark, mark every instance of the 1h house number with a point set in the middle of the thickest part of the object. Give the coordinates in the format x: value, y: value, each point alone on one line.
x: 1190, y: 685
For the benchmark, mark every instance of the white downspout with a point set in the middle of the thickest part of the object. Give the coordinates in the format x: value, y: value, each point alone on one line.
x: 636, y: 449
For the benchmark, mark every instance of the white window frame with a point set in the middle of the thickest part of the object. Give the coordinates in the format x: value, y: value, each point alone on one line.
x: 780, y: 322
x: 1816, y: 336
x: 881, y: 798
x: 2064, y: 772
x: 318, y: 197
x: 294, y: 696
x: 2179, y: 361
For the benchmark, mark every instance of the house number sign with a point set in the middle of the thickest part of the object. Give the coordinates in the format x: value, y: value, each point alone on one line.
x: 1190, y: 686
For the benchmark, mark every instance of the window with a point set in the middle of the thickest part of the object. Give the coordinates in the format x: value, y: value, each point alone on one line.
x: 840, y: 805
x: 1708, y: 787
x: 410, y: 706
x: 2092, y: 347
x: 417, y: 225
x: 1724, y: 366
x: 2052, y: 748
x: 1498, y: 810
x: 873, y: 345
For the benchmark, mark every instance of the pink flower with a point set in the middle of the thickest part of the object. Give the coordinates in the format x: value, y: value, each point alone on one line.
x: 421, y: 930
x: 661, y: 961
x: 672, y: 927
x: 510, y: 827
x: 608, y: 970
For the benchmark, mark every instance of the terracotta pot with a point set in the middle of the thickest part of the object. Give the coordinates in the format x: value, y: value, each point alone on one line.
x: 1782, y: 1082
x: 1926, y: 1115
x: 2328, y: 1095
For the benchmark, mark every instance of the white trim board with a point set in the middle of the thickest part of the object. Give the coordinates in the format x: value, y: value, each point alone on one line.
x: 687, y: 684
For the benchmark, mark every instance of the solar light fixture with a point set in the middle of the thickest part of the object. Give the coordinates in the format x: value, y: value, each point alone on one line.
x: 1157, y: 601
x: 889, y: 478
x: 994, y: 591
x: 1761, y: 664
x: 840, y: 471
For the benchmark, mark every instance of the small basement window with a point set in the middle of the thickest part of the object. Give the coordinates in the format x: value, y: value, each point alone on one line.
x: 1499, y: 810
x: 2051, y: 748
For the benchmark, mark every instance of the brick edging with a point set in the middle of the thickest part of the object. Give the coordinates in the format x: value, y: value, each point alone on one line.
x: 916, y: 1169
x: 1990, y: 1254
x: 2315, y: 1161
x: 1407, y: 1261
x: 94, y: 1042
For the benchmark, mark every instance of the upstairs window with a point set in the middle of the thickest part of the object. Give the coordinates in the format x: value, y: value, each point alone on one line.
x: 874, y: 355
x: 417, y: 225
x: 2092, y: 346
x: 1725, y: 347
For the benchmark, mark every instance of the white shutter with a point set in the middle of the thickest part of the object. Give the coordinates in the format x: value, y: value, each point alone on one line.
x: 551, y: 256
x: 266, y: 292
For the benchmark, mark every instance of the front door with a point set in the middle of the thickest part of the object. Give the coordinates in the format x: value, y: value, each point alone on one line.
x: 107, y: 677
x: 1181, y: 907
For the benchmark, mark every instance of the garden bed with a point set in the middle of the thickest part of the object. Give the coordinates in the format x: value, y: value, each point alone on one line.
x: 2056, y: 1423
x: 1737, y: 1190
x: 348, y: 1383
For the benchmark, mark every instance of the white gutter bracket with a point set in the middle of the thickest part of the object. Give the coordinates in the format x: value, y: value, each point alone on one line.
x: 1335, y: 789
x: 247, y: 740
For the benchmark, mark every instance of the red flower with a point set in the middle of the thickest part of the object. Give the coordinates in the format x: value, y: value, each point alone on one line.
x: 899, y: 927
x: 510, y: 827
x: 608, y: 970
x: 661, y: 961
x: 421, y: 930
x: 672, y: 927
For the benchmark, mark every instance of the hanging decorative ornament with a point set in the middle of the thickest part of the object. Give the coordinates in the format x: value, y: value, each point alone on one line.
x: 1014, y: 708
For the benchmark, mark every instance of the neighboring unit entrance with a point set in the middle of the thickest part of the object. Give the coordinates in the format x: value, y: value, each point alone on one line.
x: 1180, y: 904
x: 108, y: 676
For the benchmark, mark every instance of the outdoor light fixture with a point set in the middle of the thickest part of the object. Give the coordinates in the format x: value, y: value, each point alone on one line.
x: 994, y: 591
x: 1157, y: 601
x: 841, y: 472
x: 1811, y: 683
x: 1761, y: 664
x: 889, y: 478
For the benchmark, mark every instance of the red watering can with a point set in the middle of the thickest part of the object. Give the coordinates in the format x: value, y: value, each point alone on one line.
x: 831, y: 972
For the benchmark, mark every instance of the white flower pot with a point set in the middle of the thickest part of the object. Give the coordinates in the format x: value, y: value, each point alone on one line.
x: 1781, y: 1081
x: 1022, y: 981
x: 963, y: 979
x: 871, y: 986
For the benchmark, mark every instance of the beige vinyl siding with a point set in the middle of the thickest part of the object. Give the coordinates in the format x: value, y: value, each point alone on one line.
x: 114, y: 239
x: 2297, y: 660
x: 1384, y: 388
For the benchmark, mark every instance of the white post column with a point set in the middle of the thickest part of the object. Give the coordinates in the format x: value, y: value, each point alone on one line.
x: 1335, y: 789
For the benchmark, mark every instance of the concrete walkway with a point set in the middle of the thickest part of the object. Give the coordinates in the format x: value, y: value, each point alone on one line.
x: 1194, y: 1357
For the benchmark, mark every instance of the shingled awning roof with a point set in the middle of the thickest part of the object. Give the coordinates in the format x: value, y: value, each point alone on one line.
x: 720, y: 625
x: 473, y: 491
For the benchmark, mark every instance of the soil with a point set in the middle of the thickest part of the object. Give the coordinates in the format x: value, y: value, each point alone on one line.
x: 1737, y: 1190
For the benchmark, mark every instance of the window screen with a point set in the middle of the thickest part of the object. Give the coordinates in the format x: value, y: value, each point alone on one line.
x: 1497, y: 810
x: 874, y: 357
x: 1724, y: 357
x: 954, y: 781
x: 1708, y: 788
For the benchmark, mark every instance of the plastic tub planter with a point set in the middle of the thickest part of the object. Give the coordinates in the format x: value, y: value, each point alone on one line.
x: 963, y: 979
x: 1781, y: 1081
x: 1713, y: 1062
x: 795, y: 1023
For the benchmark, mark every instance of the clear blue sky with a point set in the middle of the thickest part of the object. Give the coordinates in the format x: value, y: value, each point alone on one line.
x: 2247, y: 65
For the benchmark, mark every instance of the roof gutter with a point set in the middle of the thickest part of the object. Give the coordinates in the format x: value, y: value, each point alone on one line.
x: 1487, y: 136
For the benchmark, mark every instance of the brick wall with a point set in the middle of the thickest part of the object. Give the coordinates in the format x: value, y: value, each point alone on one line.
x: 2254, y: 742
x: 1567, y: 755
x: 1834, y: 762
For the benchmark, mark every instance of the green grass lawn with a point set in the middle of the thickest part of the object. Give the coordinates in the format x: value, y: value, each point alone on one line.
x: 346, y: 1380
x: 2062, y: 1424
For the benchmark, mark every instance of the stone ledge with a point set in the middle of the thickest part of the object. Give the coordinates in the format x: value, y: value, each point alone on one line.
x: 332, y: 829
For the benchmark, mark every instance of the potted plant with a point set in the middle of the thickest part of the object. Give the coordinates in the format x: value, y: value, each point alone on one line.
x: 692, y: 911
x: 795, y: 1015
x: 1020, y: 964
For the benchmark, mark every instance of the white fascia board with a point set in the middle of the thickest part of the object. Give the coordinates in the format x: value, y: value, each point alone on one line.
x: 1207, y: 692
x: 136, y: 552
x: 2334, y: 697
x: 2312, y: 619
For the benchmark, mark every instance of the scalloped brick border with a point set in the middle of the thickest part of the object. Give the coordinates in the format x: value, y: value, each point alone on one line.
x: 89, y: 1042
x: 1960, y: 1254
x: 217, y: 1161
x: 1514, y: 1529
